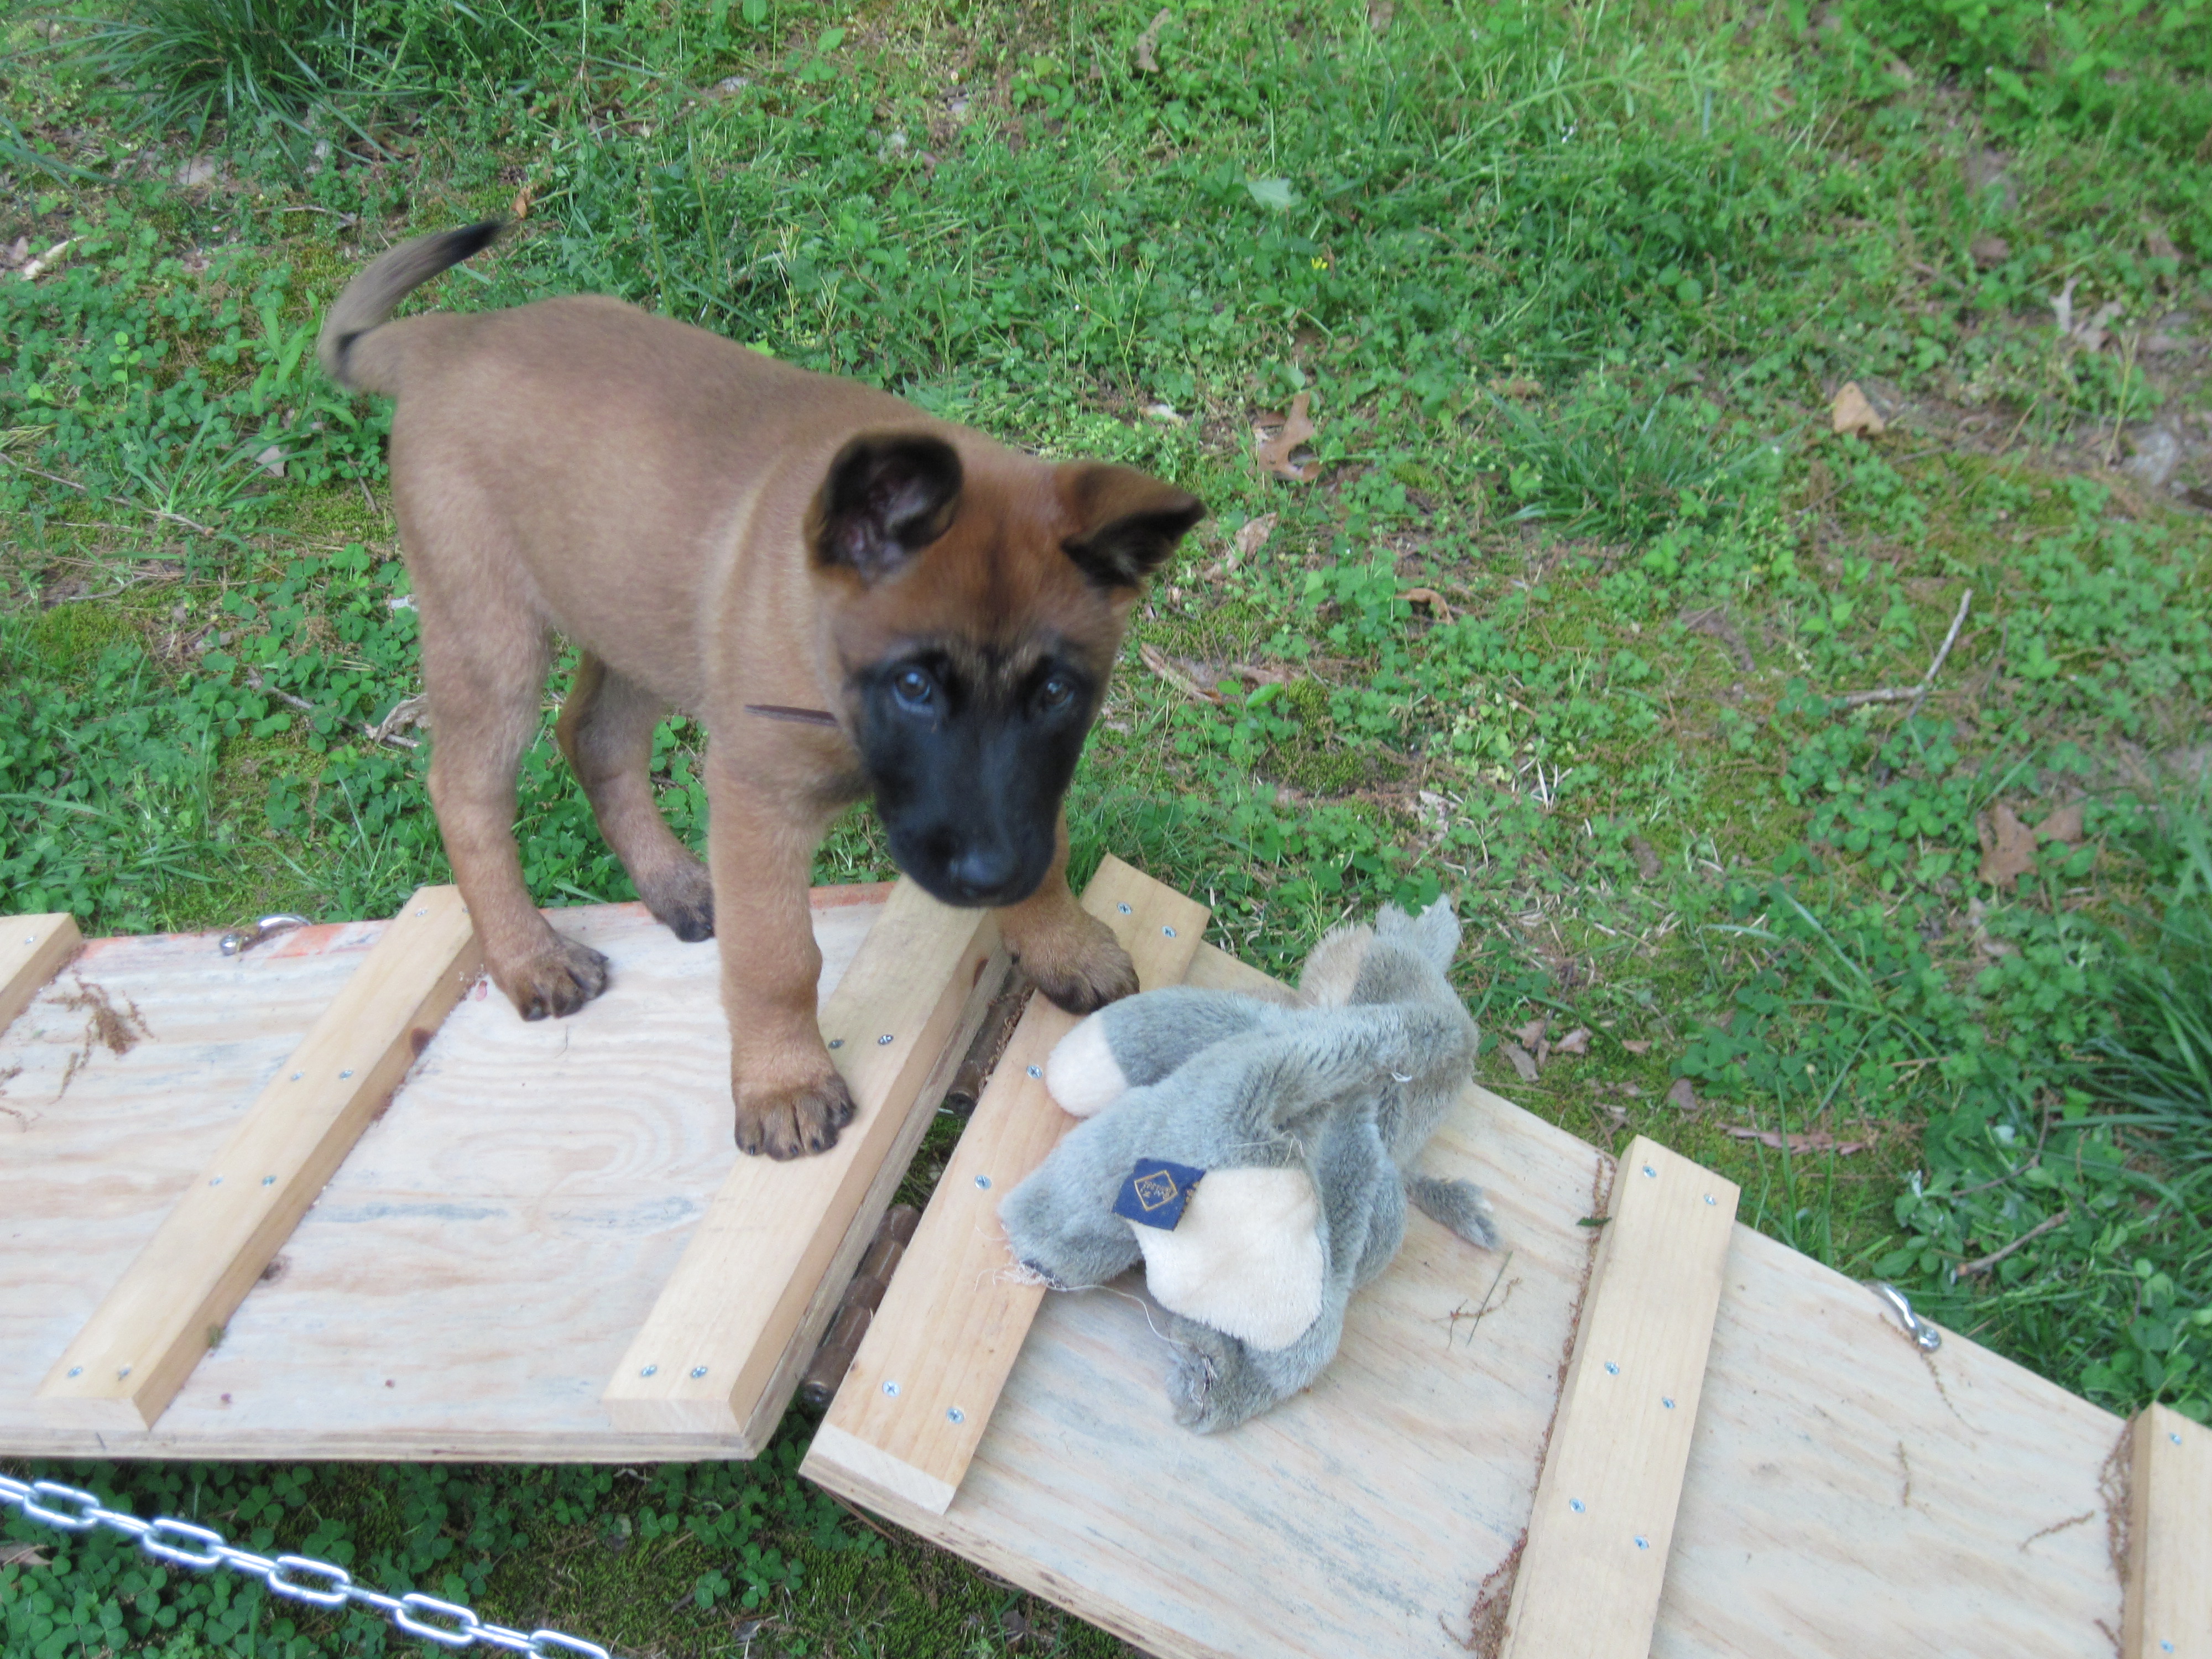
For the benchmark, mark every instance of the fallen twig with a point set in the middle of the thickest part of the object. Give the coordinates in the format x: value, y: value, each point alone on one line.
x: 1915, y: 695
x: 1986, y: 1262
x: 118, y: 500
x: 373, y: 733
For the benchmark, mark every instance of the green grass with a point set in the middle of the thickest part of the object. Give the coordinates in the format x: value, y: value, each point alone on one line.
x: 1564, y: 628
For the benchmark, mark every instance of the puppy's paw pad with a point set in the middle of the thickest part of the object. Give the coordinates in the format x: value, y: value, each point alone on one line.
x: 557, y: 981
x: 684, y: 904
x: 1084, y: 979
x: 796, y: 1121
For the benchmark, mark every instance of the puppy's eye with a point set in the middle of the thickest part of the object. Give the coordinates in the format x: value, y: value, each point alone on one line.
x: 913, y: 689
x: 1055, y: 694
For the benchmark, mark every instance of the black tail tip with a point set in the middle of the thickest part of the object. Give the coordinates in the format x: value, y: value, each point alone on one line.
x: 472, y: 239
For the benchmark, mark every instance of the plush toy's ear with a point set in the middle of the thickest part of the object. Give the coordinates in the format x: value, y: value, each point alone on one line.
x: 1081, y: 1074
x: 1433, y: 935
x: 1333, y: 969
x: 1246, y: 1258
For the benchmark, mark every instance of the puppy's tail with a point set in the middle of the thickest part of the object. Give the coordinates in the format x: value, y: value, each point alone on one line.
x: 370, y: 298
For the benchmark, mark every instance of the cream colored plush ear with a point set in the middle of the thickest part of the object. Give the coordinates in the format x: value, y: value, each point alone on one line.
x: 1081, y: 1074
x: 1246, y: 1257
x: 1333, y: 967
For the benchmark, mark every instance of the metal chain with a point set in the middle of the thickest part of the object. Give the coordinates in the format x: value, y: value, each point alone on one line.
x: 297, y: 1578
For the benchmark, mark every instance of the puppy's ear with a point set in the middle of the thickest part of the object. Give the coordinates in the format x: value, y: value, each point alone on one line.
x: 887, y: 495
x: 1130, y: 522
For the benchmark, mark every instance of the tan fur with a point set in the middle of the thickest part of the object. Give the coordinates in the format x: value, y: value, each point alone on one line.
x: 643, y: 487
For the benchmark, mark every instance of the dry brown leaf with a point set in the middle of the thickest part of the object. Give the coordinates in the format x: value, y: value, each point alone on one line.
x: 1807, y: 1140
x: 1523, y: 1061
x: 1682, y: 1096
x: 2007, y: 846
x: 2159, y: 245
x: 1379, y: 14
x: 1637, y: 1045
x: 1533, y: 1033
x: 1175, y: 674
x: 1990, y: 252
x: 1274, y: 453
x: 1852, y: 415
x: 1148, y: 42
x: 1647, y: 863
x: 1254, y: 536
x: 2064, y: 825
x: 1431, y: 598
x: 26, y: 1555
x: 1576, y: 1042
x: 519, y: 207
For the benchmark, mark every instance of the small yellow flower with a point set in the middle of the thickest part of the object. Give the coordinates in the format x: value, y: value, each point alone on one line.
x: 1320, y: 263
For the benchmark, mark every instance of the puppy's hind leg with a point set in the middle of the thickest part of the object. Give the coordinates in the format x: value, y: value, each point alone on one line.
x: 484, y: 673
x: 606, y: 732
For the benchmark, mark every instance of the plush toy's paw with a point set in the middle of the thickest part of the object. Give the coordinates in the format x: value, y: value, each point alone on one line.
x: 1058, y: 1226
x: 1214, y: 1384
x: 1458, y: 1205
x: 1246, y: 1258
x: 1082, y: 1075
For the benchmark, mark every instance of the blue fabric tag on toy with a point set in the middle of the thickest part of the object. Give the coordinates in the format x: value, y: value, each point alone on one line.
x: 1156, y: 1192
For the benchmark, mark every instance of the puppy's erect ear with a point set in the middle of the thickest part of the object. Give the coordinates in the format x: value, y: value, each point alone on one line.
x: 1130, y: 522
x: 887, y: 495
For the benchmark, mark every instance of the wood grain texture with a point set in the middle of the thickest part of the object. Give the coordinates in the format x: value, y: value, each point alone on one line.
x: 31, y: 950
x: 170, y: 1307
x: 1367, y: 1516
x: 2169, y: 1595
x: 481, y: 1260
x: 715, y: 1345
x: 919, y: 1392
x: 1590, y: 1574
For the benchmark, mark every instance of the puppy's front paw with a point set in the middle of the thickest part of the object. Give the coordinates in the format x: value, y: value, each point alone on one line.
x: 684, y: 903
x: 795, y: 1120
x: 554, y: 980
x: 1080, y: 966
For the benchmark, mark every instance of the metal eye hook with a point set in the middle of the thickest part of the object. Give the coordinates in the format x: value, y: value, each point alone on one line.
x: 1923, y: 1335
x: 241, y: 940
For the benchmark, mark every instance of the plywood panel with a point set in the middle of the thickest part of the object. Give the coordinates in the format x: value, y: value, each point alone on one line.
x: 396, y: 1323
x: 1373, y: 1514
x: 922, y: 1386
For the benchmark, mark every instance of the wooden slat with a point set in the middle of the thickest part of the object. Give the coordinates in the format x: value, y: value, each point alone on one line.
x: 2169, y: 1596
x: 170, y: 1307
x: 921, y: 1392
x: 1596, y: 1560
x: 31, y: 949
x: 719, y: 1339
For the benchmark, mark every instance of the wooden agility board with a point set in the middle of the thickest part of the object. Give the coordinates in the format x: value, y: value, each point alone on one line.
x: 472, y: 1274
x: 1845, y: 1493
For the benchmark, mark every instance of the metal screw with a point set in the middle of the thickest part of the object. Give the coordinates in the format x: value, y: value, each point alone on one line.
x: 1710, y: 1199
x: 2173, y: 1437
x: 214, y: 1181
x: 884, y: 1039
x: 1036, y: 1071
x: 647, y: 1371
x: 269, y: 1181
x: 1642, y: 1542
x: 33, y: 938
x: 1612, y: 1369
x: 1653, y: 1173
x: 2166, y: 1647
x: 297, y: 1076
x: 891, y: 1389
x: 1170, y: 932
x: 425, y: 911
x: 983, y: 1183
x: 1576, y: 1504
x: 698, y: 1370
x: 347, y: 1072
x: 1666, y: 1402
x: 836, y: 1043
x: 76, y: 1370
x: 953, y: 1414
x: 122, y: 1372
x: 1123, y: 908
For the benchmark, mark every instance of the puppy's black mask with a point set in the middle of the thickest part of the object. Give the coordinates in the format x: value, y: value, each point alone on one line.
x: 969, y: 756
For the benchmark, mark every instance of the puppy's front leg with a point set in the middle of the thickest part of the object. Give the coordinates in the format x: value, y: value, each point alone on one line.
x: 1072, y: 956
x: 789, y: 1098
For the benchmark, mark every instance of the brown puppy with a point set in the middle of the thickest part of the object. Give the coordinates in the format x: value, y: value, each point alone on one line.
x: 852, y: 597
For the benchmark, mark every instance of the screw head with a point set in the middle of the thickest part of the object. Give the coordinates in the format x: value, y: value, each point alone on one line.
x: 698, y: 1370
x: 836, y: 1043
x: 297, y: 1076
x: 76, y: 1370
x: 2173, y: 1437
x: 123, y: 1372
x: 1642, y: 1542
x: 347, y: 1072
x: 953, y: 1414
x: 1122, y: 908
x: 425, y: 911
x: 1576, y: 1504
x: 269, y: 1181
x: 1612, y: 1369
x: 1667, y: 1402
x: 884, y: 1039
x: 1169, y: 932
x: 214, y: 1181
x: 1036, y: 1071
x: 1653, y: 1173
x: 891, y: 1389
x: 647, y: 1371
x: 1710, y: 1199
x: 983, y: 1183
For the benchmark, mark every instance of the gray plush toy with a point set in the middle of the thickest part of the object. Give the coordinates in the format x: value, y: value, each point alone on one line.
x: 1257, y: 1158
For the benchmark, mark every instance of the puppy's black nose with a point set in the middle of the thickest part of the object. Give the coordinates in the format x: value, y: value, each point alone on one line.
x: 983, y: 871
